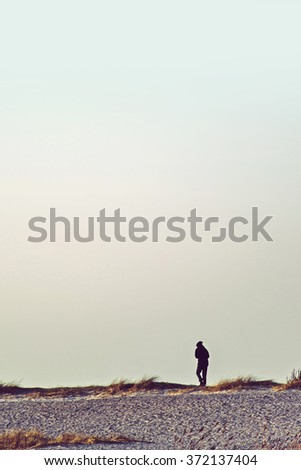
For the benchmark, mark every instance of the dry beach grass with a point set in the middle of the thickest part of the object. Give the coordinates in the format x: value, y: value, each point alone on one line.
x: 293, y: 382
x: 117, y: 387
x: 149, y: 383
x: 32, y: 439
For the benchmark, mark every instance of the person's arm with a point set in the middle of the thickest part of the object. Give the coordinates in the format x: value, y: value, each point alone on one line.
x: 196, y: 354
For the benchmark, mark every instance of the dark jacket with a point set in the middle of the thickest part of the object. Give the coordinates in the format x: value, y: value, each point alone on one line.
x: 202, y: 354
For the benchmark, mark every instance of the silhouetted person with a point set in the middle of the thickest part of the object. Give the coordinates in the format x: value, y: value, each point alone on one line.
x: 202, y: 356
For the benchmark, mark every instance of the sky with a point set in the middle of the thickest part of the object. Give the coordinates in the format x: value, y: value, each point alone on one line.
x: 155, y: 108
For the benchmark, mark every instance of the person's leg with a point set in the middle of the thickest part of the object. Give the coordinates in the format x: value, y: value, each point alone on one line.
x: 205, y: 367
x: 198, y: 373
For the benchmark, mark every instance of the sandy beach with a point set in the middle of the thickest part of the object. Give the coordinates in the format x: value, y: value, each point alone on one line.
x: 165, y: 419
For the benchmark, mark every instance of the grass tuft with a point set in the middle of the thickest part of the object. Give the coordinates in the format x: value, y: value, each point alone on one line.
x: 32, y: 439
x: 122, y: 386
x: 294, y: 381
x: 239, y: 383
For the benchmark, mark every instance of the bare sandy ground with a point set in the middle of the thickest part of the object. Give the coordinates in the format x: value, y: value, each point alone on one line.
x: 169, y: 419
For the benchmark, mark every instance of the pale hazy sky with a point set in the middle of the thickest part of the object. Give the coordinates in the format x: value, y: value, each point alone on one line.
x: 157, y: 108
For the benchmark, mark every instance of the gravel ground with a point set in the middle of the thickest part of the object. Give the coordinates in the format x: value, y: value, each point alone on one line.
x: 246, y: 419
